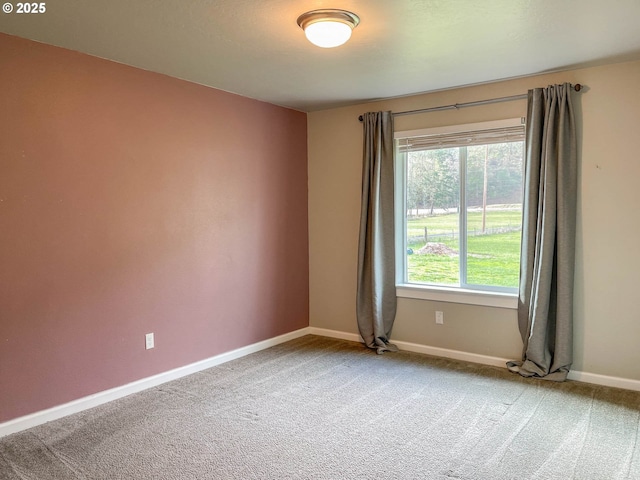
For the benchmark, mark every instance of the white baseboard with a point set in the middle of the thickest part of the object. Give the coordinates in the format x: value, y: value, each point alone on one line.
x: 605, y: 380
x: 54, y: 413
x: 454, y: 354
x: 586, y: 377
x: 417, y: 348
x: 325, y: 332
x: 48, y: 415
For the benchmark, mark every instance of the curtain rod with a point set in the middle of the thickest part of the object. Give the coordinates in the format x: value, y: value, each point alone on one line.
x: 577, y: 87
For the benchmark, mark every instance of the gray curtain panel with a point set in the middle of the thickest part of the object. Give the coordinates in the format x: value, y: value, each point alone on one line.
x: 376, y: 293
x: 545, y: 304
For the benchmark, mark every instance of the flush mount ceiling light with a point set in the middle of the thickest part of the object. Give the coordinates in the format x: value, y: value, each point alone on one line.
x: 328, y: 28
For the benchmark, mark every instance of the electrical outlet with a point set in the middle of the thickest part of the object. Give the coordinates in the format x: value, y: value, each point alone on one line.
x: 148, y: 341
x: 439, y: 318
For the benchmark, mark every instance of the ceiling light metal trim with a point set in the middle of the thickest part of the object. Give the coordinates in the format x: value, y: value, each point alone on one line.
x: 328, y: 15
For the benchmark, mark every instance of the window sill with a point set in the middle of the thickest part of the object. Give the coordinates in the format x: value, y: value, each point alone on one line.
x: 458, y: 295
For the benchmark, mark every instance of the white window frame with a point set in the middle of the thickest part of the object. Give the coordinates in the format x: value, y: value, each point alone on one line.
x: 404, y: 289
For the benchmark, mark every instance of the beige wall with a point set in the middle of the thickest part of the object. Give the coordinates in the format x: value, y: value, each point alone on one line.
x: 607, y: 318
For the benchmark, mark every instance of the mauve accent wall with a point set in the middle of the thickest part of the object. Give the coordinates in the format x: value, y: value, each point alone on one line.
x: 132, y: 202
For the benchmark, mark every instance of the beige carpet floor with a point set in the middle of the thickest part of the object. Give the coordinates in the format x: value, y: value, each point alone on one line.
x: 317, y: 408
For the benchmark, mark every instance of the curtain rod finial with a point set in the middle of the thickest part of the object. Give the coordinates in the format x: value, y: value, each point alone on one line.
x: 361, y: 118
x: 577, y: 87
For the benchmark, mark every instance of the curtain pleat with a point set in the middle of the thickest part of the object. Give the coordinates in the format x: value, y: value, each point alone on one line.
x: 376, y: 296
x: 545, y: 304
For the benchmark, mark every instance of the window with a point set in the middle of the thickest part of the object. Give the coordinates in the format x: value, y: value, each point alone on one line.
x: 459, y: 206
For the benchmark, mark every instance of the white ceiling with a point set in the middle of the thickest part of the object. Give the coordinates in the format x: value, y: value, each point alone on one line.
x: 255, y: 48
